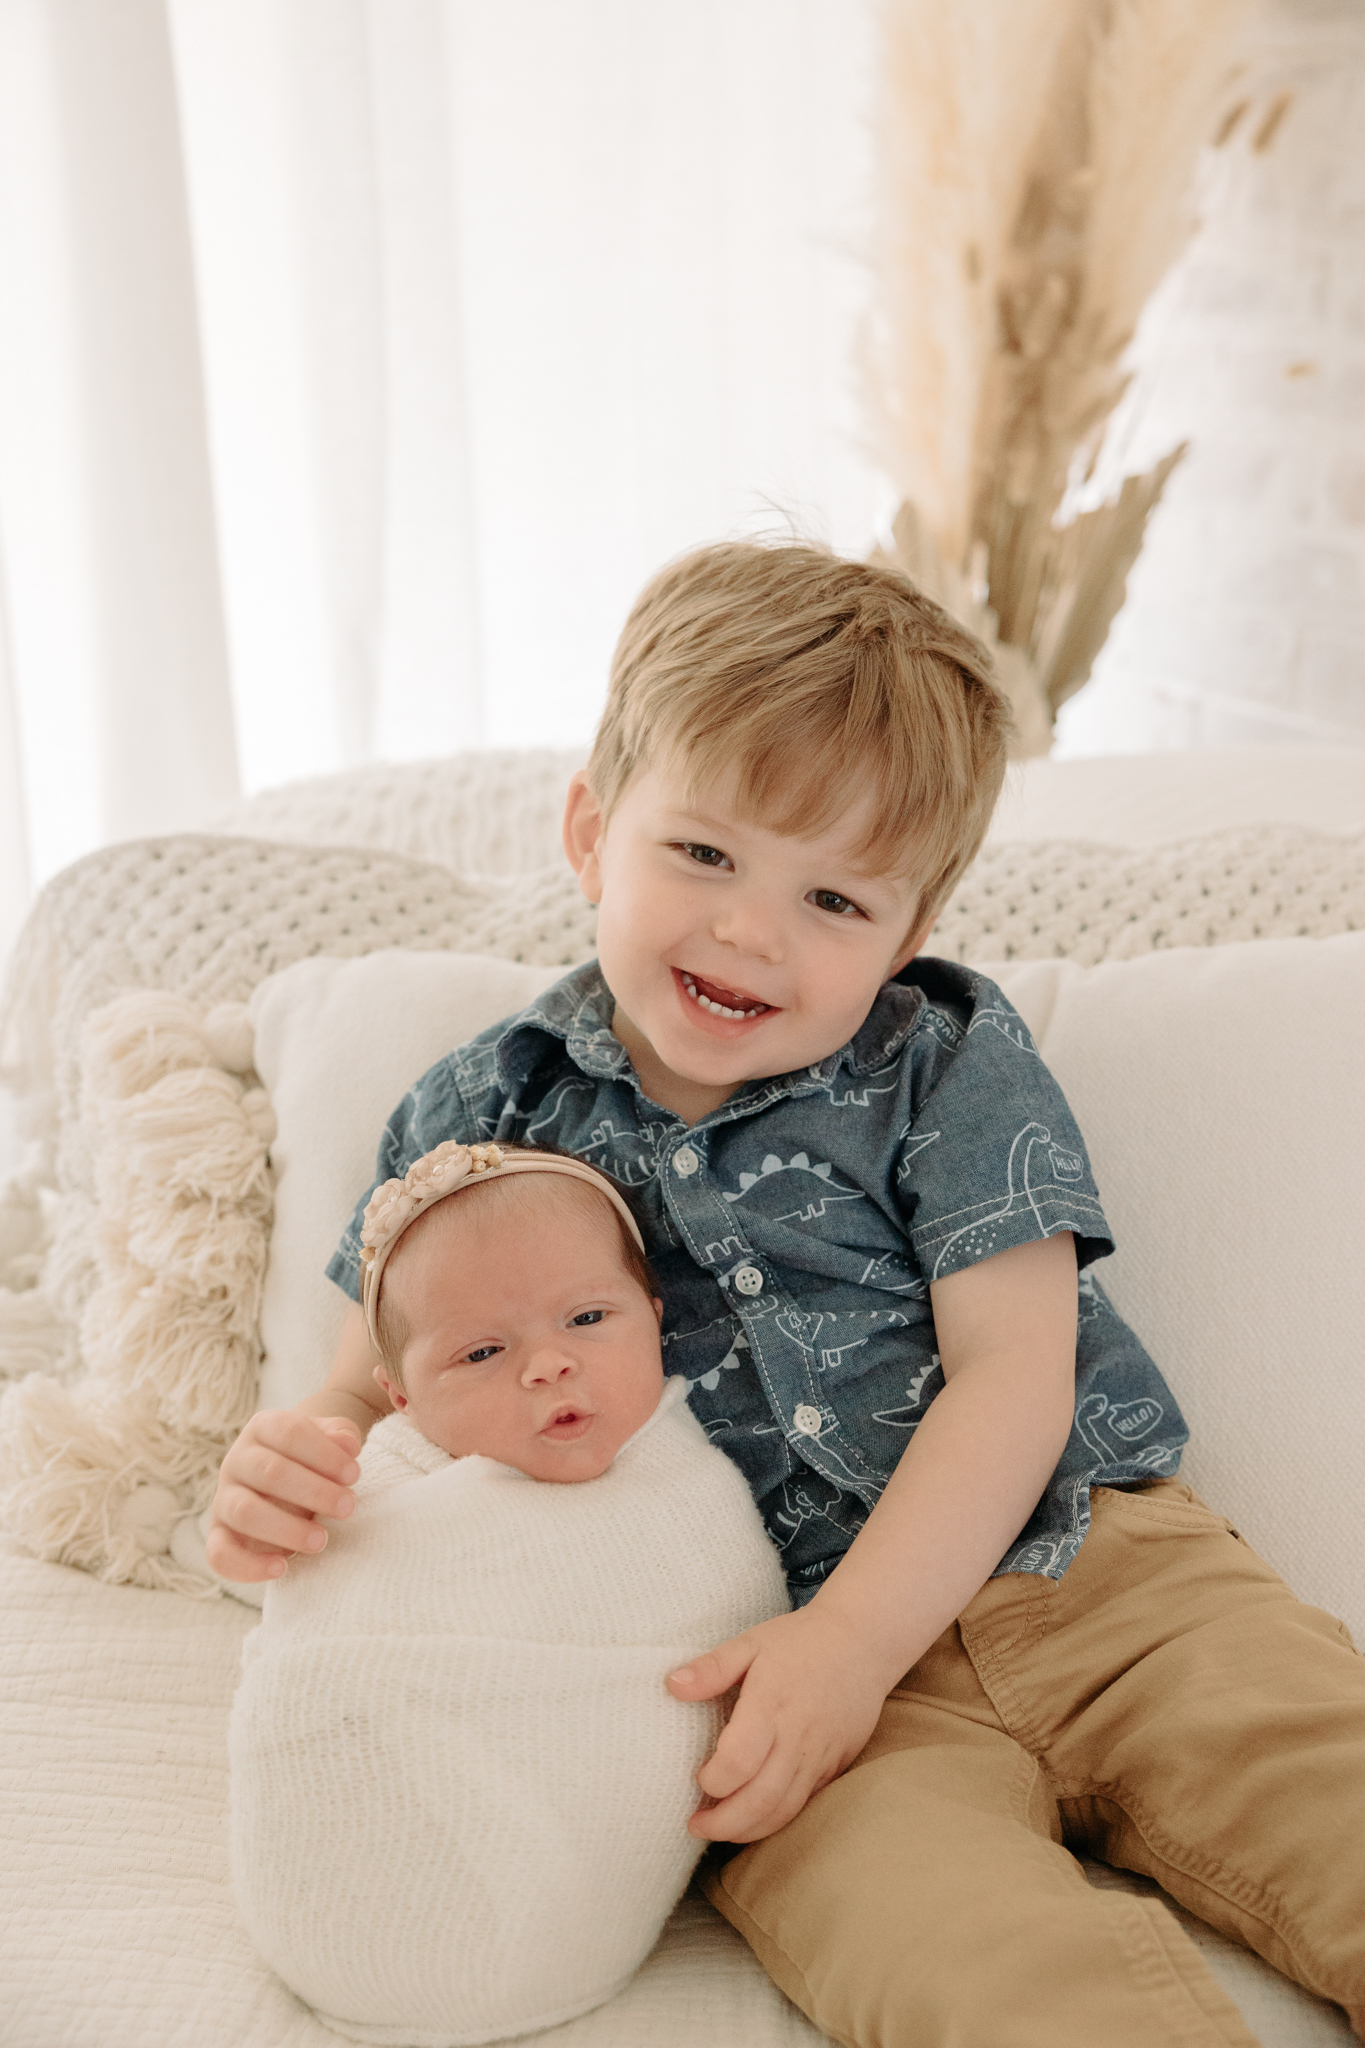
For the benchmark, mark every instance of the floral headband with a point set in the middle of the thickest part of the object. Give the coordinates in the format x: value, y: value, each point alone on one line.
x: 447, y: 1170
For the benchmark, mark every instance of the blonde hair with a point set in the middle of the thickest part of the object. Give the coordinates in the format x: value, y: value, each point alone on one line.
x: 812, y: 680
x: 393, y: 1331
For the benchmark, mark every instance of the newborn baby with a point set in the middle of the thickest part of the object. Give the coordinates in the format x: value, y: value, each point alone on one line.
x: 460, y: 1787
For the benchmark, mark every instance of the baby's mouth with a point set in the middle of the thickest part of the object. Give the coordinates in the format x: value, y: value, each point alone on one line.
x: 568, y: 1423
x: 721, y: 1001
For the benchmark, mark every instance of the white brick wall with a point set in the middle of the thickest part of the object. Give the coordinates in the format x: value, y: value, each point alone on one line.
x: 1245, y: 618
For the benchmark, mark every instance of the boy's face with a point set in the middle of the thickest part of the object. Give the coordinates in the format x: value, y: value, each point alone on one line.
x: 733, y: 951
x: 529, y: 1341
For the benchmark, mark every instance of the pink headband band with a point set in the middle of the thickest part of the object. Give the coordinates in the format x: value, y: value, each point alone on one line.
x: 447, y: 1170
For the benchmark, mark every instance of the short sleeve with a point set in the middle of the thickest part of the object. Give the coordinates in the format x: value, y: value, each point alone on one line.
x: 433, y: 1110
x: 993, y: 1157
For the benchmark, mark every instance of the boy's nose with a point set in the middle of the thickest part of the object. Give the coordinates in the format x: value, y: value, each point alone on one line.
x: 750, y: 927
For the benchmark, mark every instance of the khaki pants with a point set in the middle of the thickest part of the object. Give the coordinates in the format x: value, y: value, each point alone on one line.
x: 1167, y: 1706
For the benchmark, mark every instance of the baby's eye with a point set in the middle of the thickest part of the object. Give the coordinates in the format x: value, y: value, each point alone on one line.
x: 830, y: 899
x: 589, y: 1315
x: 484, y: 1351
x: 705, y: 856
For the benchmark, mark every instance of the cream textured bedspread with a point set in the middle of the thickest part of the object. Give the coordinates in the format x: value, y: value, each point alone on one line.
x: 117, y: 1922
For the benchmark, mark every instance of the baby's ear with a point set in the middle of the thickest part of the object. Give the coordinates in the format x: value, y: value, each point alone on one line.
x: 390, y: 1387
x: 658, y: 1311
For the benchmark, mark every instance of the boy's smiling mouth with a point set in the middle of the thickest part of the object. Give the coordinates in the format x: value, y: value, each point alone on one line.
x: 715, y: 1000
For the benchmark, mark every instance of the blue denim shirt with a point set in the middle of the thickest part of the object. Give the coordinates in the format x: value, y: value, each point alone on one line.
x: 795, y: 1231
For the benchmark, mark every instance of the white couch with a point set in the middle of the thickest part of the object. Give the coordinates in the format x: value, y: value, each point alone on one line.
x: 118, y: 1922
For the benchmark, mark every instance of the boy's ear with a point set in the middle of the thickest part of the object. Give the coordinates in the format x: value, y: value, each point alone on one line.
x: 912, y: 946
x: 584, y: 826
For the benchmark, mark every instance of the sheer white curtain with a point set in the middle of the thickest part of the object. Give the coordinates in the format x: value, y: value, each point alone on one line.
x: 117, y: 699
x: 361, y: 358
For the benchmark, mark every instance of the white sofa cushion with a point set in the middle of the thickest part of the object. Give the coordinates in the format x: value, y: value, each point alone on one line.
x: 338, y: 1044
x: 1146, y: 799
x: 497, y: 811
x: 1221, y: 1094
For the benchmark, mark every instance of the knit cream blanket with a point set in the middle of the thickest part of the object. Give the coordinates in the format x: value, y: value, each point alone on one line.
x: 459, y: 1786
x: 207, y: 918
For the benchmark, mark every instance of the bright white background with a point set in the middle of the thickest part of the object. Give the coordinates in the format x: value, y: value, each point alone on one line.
x: 365, y: 356
x: 359, y: 359
x: 1245, y: 620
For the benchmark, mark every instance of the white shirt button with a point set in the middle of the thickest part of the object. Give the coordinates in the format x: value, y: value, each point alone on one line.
x: 685, y: 1161
x: 807, y: 1420
x: 748, y: 1280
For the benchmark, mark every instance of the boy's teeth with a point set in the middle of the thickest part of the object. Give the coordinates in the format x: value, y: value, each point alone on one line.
x: 718, y: 1009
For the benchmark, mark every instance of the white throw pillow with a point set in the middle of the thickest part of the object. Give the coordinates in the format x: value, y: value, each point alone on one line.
x: 1221, y: 1093
x: 338, y: 1045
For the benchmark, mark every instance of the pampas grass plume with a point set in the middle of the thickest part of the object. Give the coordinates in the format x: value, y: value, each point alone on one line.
x: 1036, y: 164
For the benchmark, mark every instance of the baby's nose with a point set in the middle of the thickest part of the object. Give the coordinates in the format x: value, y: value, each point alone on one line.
x: 546, y: 1366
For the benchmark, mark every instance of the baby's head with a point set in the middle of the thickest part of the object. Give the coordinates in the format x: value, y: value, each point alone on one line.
x: 508, y: 1295
x: 799, y: 757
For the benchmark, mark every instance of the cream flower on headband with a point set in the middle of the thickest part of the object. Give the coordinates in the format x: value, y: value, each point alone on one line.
x: 391, y: 1207
x: 437, y: 1174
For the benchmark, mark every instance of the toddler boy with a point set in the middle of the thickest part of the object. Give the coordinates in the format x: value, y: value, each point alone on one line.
x: 1014, y: 1632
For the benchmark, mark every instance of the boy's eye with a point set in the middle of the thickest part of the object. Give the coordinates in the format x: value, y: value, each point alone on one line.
x: 705, y: 856
x: 484, y: 1351
x: 830, y: 899
x: 589, y: 1315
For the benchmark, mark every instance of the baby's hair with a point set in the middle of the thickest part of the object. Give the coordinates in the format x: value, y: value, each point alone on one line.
x: 392, y: 1330
x: 813, y: 679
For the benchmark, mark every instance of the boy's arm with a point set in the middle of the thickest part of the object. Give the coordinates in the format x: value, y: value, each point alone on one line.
x: 292, y: 1464
x: 814, y: 1681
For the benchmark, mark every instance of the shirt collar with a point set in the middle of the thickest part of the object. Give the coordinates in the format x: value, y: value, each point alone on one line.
x: 578, y: 1011
x: 887, y: 1026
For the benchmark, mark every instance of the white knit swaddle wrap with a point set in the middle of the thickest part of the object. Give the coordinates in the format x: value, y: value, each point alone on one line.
x: 459, y: 1786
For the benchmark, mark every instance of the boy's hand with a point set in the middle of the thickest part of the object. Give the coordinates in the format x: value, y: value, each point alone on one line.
x: 284, y: 1469
x: 809, y: 1702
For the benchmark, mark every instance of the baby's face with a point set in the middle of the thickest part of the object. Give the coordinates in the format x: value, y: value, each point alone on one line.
x: 529, y: 1341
